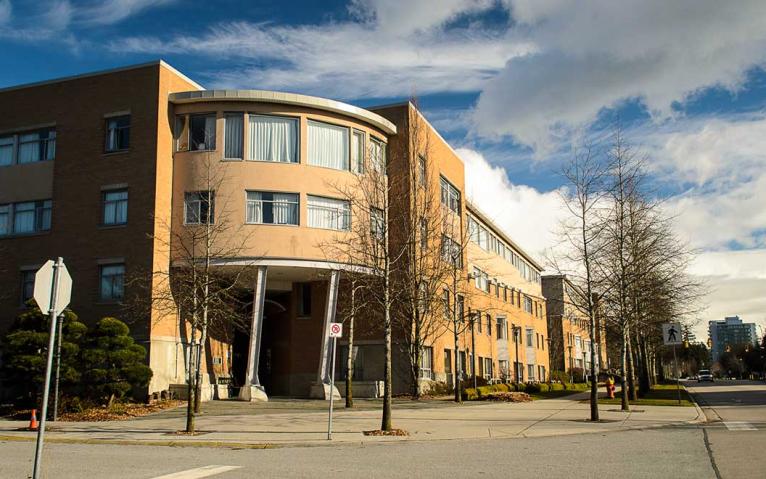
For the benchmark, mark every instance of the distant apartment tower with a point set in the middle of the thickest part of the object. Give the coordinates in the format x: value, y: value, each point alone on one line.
x: 728, y: 333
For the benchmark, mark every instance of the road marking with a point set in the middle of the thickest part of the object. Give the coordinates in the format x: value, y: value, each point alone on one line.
x: 199, y: 472
x: 739, y: 426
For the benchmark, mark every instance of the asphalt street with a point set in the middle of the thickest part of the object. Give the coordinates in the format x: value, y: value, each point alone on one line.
x: 728, y: 446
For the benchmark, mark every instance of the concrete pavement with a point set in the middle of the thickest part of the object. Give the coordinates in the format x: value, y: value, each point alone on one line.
x: 426, y: 421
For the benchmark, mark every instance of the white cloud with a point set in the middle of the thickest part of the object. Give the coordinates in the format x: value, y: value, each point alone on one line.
x: 6, y: 11
x: 388, y: 48
x: 597, y: 54
x: 530, y: 217
x: 108, y: 12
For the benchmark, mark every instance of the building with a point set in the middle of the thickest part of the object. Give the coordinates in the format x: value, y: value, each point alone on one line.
x: 569, y: 327
x: 729, y: 333
x: 112, y: 170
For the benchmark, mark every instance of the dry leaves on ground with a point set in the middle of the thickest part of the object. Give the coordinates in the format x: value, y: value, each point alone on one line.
x: 119, y: 412
x: 507, y: 397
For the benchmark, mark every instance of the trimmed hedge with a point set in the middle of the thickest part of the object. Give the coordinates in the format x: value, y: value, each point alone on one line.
x: 470, y: 394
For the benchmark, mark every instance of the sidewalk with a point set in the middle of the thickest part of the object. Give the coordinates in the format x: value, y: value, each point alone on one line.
x: 551, y: 417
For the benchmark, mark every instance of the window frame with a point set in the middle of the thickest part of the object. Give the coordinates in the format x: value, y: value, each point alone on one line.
x: 210, y: 211
x: 25, y: 274
x: 295, y: 120
x: 241, y: 115
x: 111, y: 298
x: 348, y: 212
x: 452, y: 195
x: 118, y: 129
x: 192, y: 145
x: 104, y: 202
x: 297, y: 207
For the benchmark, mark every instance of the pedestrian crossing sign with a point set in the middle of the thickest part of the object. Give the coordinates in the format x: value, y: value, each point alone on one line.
x: 671, y: 334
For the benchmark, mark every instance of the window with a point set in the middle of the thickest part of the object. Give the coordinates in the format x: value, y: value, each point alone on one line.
x: 199, y: 207
x: 450, y: 196
x: 460, y: 307
x: 272, y: 208
x: 489, y: 325
x: 519, y: 368
x: 112, y: 281
x: 25, y: 217
x: 503, y: 367
x: 527, y: 304
x: 117, y: 133
x: 502, y: 328
x: 422, y: 170
x: 36, y: 146
x: 480, y: 279
x: 497, y: 289
x: 377, y: 224
x: 357, y: 151
x: 304, y: 299
x: 233, y: 136
x: 530, y: 372
x: 426, y: 362
x: 115, y: 207
x: 202, y: 132
x: 7, y: 144
x: 446, y: 303
x: 487, y: 368
x: 451, y: 252
x: 378, y: 155
x: 530, y: 338
x: 328, y: 145
x: 273, y: 138
x: 542, y: 373
x: 328, y: 213
x: 478, y: 321
x: 27, y: 285
x: 423, y: 233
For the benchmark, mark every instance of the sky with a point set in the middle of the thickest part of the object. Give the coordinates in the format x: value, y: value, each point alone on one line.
x: 511, y: 84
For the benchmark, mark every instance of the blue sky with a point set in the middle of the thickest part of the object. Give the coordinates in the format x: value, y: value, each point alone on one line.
x: 512, y: 84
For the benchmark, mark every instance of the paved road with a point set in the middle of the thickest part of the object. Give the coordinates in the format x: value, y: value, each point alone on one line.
x: 729, y: 447
x: 736, y: 431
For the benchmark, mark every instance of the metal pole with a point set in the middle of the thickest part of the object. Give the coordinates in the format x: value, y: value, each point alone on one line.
x: 332, y: 390
x: 678, y: 386
x: 46, y: 389
x: 59, y: 336
x: 473, y: 352
x: 516, y: 334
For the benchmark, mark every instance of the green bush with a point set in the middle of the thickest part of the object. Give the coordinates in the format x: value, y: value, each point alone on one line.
x: 520, y: 387
x: 556, y: 387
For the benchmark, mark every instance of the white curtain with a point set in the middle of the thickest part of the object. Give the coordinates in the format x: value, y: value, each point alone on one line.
x: 24, y: 217
x: 357, y: 151
x: 328, y: 213
x: 328, y: 145
x: 254, y: 207
x: 6, y: 150
x: 233, y: 136
x: 29, y: 147
x: 273, y: 138
x: 285, y: 209
x: 45, y: 215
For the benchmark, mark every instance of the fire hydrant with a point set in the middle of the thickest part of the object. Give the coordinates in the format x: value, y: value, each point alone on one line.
x: 610, y: 387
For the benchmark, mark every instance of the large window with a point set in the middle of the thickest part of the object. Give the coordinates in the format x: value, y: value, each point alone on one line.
x: 486, y: 364
x: 28, y: 147
x: 504, y: 369
x: 117, y: 133
x: 357, y: 151
x: 328, y: 213
x: 199, y: 207
x: 273, y: 138
x: 530, y: 372
x: 115, y: 207
x: 328, y: 145
x: 502, y: 328
x: 25, y: 217
x: 233, y: 139
x: 272, y: 208
x: 426, y: 362
x: 527, y: 304
x: 452, y: 252
x: 202, y: 132
x: 450, y: 196
x: 480, y: 279
x: 530, y: 338
x: 112, y: 282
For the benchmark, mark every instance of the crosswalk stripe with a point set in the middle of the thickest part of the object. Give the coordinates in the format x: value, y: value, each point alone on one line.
x: 199, y: 472
x: 739, y: 426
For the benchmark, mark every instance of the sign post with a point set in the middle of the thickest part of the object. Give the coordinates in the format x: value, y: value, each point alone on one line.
x: 52, y: 291
x: 671, y: 336
x: 336, y: 331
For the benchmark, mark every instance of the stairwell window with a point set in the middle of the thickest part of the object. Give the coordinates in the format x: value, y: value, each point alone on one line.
x: 328, y: 213
x: 199, y: 207
x: 112, y: 282
x: 273, y: 138
x: 115, y: 207
x: 450, y: 196
x: 272, y: 208
x: 202, y: 132
x: 328, y: 145
x: 117, y: 133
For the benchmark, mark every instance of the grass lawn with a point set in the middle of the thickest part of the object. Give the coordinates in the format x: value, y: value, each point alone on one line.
x: 660, y: 395
x: 553, y: 394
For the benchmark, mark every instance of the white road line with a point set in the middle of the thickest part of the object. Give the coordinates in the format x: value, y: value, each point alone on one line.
x: 197, y: 473
x: 739, y: 426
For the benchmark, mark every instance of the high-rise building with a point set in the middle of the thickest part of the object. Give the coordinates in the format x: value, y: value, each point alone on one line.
x: 729, y: 333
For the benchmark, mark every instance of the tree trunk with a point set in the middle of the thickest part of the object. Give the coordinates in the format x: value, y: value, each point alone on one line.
x: 632, y: 390
x: 386, y: 419
x: 350, y: 357
x: 190, y: 387
x: 623, y: 370
x: 643, y: 381
x: 458, y: 382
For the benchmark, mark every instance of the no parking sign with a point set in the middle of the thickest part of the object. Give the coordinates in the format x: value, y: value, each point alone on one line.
x: 336, y: 330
